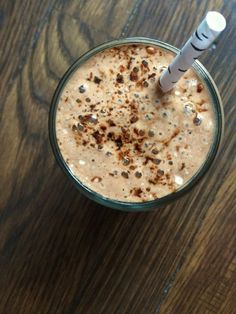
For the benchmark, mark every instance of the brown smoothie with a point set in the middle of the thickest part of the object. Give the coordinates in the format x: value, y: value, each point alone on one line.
x: 123, y: 138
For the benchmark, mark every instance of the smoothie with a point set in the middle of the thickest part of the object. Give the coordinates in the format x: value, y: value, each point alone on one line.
x: 121, y: 136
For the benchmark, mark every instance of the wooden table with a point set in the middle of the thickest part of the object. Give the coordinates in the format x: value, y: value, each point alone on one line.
x: 59, y: 251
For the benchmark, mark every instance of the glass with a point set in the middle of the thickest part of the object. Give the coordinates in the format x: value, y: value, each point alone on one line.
x: 154, y: 204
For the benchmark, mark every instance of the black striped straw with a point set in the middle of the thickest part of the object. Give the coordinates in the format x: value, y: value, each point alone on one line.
x: 209, y: 29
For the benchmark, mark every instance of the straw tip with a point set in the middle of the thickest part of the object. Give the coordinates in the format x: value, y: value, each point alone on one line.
x: 216, y: 21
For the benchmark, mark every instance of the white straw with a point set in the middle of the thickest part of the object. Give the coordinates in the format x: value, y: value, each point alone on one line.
x: 212, y: 25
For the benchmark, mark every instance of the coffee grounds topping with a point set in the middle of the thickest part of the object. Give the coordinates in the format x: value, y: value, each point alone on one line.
x: 137, y: 192
x: 138, y: 174
x: 74, y: 128
x: 133, y: 119
x: 98, y: 137
x: 145, y: 63
x: 119, y: 78
x: 111, y: 122
x: 151, y: 75
x: 119, y: 142
x: 126, y: 126
x: 125, y: 174
x: 97, y: 80
x: 199, y: 87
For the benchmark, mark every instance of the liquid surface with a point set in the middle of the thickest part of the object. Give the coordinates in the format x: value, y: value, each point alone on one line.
x: 122, y: 137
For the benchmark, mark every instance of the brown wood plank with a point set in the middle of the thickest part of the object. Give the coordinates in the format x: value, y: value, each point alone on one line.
x: 207, y: 281
x: 21, y: 24
x: 60, y: 252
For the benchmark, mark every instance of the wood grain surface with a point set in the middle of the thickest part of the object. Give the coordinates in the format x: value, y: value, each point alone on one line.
x: 59, y: 251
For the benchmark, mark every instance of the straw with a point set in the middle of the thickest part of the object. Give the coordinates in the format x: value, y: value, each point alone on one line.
x: 212, y: 25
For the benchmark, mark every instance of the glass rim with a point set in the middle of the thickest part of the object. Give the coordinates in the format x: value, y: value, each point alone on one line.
x: 200, y: 70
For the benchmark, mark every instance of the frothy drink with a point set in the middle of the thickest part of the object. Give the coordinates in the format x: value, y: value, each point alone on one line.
x: 123, y: 138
